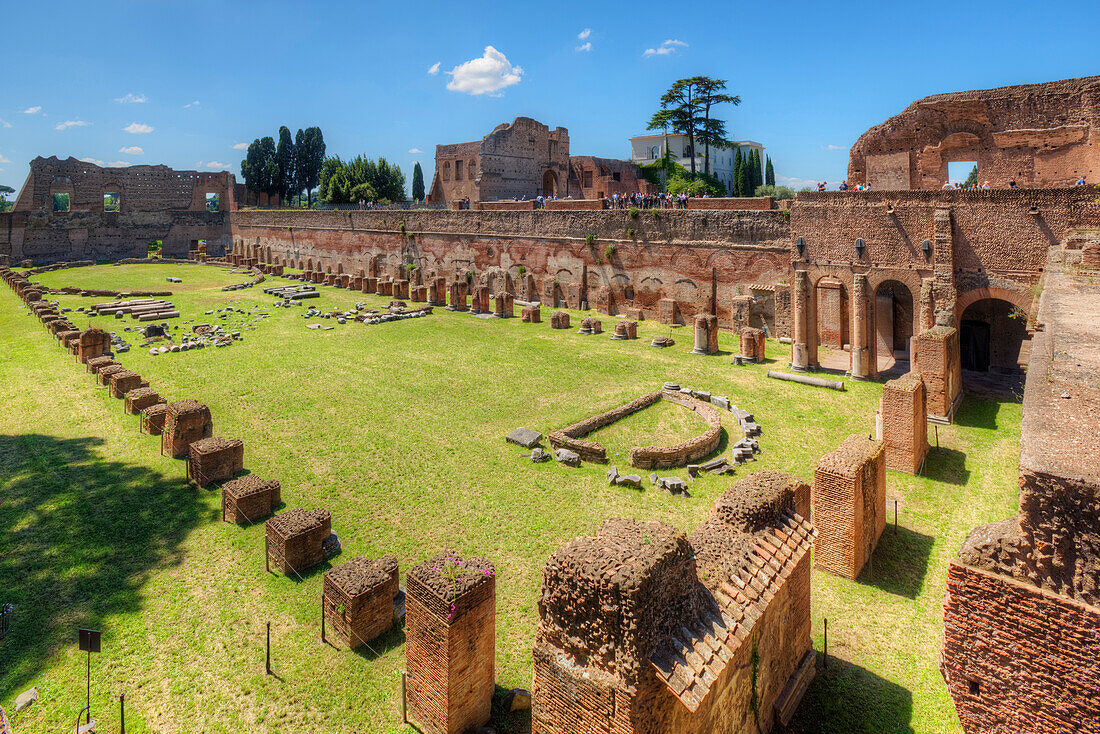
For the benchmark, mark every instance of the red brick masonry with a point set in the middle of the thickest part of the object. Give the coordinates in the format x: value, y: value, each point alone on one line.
x: 1017, y: 658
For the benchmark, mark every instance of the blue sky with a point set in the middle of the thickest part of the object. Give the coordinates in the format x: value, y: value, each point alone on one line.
x: 181, y: 83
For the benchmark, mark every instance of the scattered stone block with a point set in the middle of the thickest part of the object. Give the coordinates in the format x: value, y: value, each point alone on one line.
x: 215, y: 459
x: 532, y: 314
x: 295, y: 540
x: 538, y: 455
x: 567, y: 457
x: 524, y: 437
x: 249, y: 499
x: 559, y: 320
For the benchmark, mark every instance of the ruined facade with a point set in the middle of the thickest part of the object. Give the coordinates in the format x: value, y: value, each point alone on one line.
x: 1038, y: 135
x: 522, y: 159
x: 644, y: 629
x: 74, y: 210
x: 526, y: 159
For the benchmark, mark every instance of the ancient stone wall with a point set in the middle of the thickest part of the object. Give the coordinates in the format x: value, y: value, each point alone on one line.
x: 1036, y: 134
x: 1017, y: 658
x: 677, y: 255
x: 154, y: 203
x: 600, y: 178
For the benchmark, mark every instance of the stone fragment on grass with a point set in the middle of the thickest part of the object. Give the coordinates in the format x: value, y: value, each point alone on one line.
x: 524, y: 437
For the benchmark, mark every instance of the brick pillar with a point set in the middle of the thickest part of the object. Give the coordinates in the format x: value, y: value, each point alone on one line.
x: 800, y: 307
x: 904, y: 423
x: 450, y: 643
x: 860, y: 326
x: 849, y: 498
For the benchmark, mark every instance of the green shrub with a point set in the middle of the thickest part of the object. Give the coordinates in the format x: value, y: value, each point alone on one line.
x: 630, y: 232
x: 590, y: 239
x: 521, y: 270
x: 779, y: 193
x: 609, y: 251
x: 633, y: 212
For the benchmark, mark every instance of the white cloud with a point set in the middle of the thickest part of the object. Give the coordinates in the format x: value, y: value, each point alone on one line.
x: 112, y: 164
x: 239, y: 146
x: 794, y: 182
x: 33, y: 110
x: 70, y: 123
x: 667, y: 47
x: 3, y: 159
x: 586, y: 46
x: 132, y: 98
x: 488, y: 74
x: 4, y: 123
x: 434, y: 68
x: 138, y: 128
x: 132, y: 150
x: 191, y: 104
x: 415, y: 151
x: 216, y: 165
x: 832, y: 147
x: 584, y: 34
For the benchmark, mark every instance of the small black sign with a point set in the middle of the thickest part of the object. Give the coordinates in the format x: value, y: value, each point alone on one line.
x: 89, y: 640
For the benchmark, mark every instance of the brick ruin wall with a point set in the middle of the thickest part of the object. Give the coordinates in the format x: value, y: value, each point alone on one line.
x: 679, y: 255
x: 1020, y: 643
x: 1037, y: 134
x: 1017, y: 658
x: 155, y: 203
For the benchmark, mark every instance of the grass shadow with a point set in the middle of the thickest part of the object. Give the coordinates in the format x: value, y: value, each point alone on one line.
x: 847, y: 698
x: 79, y: 537
x: 392, y: 638
x: 946, y: 465
x: 899, y: 563
x: 975, y: 412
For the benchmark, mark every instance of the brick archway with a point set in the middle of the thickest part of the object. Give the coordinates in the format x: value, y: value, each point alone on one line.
x: 1016, y: 298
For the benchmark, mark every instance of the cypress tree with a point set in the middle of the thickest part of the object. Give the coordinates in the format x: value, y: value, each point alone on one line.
x: 769, y: 173
x: 418, y: 183
x: 757, y: 166
x: 738, y: 178
x: 743, y: 180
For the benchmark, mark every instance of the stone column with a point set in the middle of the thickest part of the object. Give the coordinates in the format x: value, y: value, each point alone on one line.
x: 859, y: 324
x: 800, y: 307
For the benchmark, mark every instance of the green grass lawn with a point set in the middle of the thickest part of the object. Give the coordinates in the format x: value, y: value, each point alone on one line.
x: 398, y: 430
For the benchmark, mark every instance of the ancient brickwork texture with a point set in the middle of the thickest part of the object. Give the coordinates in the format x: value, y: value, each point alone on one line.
x: 214, y: 459
x: 357, y: 598
x: 602, y: 178
x: 1017, y: 658
x: 155, y: 203
x: 904, y: 423
x: 742, y: 203
x: 849, y: 497
x: 141, y: 398
x: 752, y: 344
x: 674, y: 256
x: 450, y: 638
x: 937, y: 361
x: 643, y: 629
x: 248, y: 500
x: 1036, y: 134
x: 294, y: 540
x: 185, y: 422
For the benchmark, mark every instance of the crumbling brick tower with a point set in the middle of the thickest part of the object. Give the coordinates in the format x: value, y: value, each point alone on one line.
x: 849, y: 505
x: 185, y: 421
x: 904, y: 423
x: 357, y: 598
x: 643, y: 629
x: 450, y: 643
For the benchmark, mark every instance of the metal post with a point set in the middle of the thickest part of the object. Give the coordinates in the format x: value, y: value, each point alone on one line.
x: 404, y: 707
x: 825, y: 653
x: 323, y: 618
x: 895, y: 517
x: 267, y: 557
x: 937, y: 427
x: 122, y: 711
x: 268, y: 663
x: 89, y: 719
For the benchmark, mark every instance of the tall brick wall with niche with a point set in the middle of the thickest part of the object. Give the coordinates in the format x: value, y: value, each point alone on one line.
x: 450, y: 643
x: 849, y: 498
x: 904, y: 423
x: 643, y: 629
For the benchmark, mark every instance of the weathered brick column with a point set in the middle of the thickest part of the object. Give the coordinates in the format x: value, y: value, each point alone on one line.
x: 800, y: 311
x: 849, y: 498
x: 860, y: 328
x: 450, y: 643
x: 904, y: 423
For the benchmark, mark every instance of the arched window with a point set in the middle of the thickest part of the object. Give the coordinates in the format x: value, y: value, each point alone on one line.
x: 654, y: 152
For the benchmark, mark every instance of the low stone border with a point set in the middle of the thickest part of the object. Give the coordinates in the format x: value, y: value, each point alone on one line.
x: 644, y: 457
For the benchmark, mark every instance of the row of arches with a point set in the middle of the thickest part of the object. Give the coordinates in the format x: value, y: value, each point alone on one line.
x: 992, y: 326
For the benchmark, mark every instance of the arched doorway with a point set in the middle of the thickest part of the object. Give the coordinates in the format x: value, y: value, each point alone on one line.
x: 992, y: 333
x: 832, y: 314
x: 893, y: 316
x: 549, y: 184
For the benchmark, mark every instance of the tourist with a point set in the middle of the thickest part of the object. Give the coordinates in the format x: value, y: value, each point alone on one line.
x: 1012, y: 183
x: 1080, y: 181
x: 843, y: 185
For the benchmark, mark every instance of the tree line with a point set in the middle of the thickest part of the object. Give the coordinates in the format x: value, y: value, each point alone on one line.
x: 361, y: 179
x: 287, y: 169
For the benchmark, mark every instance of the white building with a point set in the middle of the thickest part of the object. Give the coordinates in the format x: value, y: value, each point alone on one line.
x: 649, y: 148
